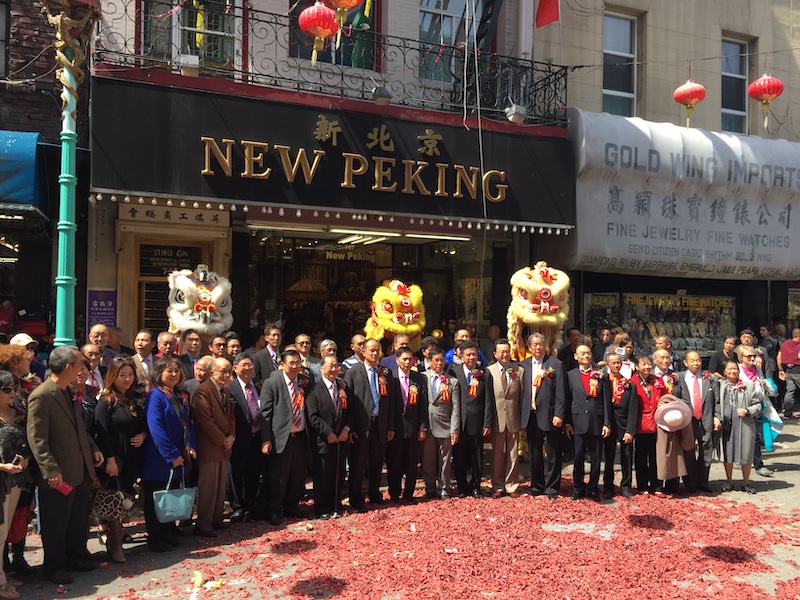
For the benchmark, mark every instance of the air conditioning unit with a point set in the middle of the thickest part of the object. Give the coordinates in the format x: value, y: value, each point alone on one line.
x: 190, y: 65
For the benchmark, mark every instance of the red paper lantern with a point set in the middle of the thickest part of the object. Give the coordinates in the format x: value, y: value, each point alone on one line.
x: 689, y: 94
x: 318, y: 21
x: 765, y: 89
x: 342, y: 8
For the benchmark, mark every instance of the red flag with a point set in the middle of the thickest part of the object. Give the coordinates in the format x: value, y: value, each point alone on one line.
x: 547, y: 12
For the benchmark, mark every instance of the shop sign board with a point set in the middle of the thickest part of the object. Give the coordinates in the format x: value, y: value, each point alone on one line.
x: 159, y: 261
x: 101, y: 307
x: 658, y: 199
x: 193, y: 143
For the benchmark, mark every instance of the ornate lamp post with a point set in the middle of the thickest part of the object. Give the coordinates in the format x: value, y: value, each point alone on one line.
x: 73, y: 20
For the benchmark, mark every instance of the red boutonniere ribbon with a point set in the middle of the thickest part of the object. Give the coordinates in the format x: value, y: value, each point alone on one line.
x: 413, y: 393
x: 474, y: 383
x: 299, y: 399
x: 383, y: 389
x: 445, y: 389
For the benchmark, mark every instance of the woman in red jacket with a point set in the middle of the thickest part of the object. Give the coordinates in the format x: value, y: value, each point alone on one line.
x: 648, y: 389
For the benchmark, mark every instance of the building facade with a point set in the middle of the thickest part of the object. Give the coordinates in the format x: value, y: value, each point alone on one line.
x: 309, y: 185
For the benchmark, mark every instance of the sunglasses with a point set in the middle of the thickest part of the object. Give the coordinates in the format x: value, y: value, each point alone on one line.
x: 750, y: 355
x: 8, y: 389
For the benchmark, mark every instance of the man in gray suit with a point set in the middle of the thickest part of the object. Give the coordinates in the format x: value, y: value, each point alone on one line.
x: 504, y: 382
x: 444, y: 420
x: 283, y: 437
x: 65, y: 458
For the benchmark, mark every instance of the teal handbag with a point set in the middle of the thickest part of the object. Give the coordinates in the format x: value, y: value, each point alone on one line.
x: 175, y: 504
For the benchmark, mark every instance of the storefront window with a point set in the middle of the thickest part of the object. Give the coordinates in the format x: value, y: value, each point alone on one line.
x: 692, y: 322
x: 601, y: 311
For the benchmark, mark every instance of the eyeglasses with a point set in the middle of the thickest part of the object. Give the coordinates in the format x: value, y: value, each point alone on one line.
x: 219, y: 345
x: 301, y: 343
x: 8, y: 389
x: 122, y: 358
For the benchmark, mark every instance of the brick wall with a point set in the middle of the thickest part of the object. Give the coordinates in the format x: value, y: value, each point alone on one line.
x: 34, y: 103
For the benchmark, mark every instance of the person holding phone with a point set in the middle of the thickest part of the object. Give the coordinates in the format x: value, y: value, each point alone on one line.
x: 64, y: 459
x: 13, y: 446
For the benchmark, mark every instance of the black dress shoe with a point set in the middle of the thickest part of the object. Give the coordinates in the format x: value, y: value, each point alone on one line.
x: 274, y: 519
x: 595, y: 496
x: 81, y: 566
x: 158, y: 546
x: 376, y: 500
x: 208, y: 533
x: 20, y: 566
x: 237, y: 516
x: 477, y: 494
x: 626, y: 493
x: 552, y: 496
x: 220, y: 526
x: 324, y: 516
x: 173, y: 541
x: 577, y: 495
x: 534, y: 492
x: 462, y: 494
x: 59, y: 576
x: 608, y: 493
x: 295, y: 513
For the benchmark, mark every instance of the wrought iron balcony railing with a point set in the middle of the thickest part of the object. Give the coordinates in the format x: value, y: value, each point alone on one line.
x: 224, y: 39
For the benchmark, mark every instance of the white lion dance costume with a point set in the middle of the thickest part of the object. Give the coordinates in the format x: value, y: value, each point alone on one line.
x: 397, y: 308
x: 539, y: 303
x: 199, y: 300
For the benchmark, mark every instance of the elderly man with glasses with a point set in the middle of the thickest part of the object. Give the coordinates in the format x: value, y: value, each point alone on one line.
x: 303, y: 343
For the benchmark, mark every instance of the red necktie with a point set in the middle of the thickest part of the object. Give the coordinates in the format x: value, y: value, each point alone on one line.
x: 697, y: 398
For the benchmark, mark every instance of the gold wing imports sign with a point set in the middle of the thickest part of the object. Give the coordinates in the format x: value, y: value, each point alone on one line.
x: 657, y: 199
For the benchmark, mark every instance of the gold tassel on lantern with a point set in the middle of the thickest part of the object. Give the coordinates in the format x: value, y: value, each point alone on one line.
x: 366, y: 8
x: 341, y: 19
x: 319, y: 46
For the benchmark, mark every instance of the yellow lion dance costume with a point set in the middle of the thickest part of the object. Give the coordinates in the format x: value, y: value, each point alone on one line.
x: 539, y: 304
x: 397, y: 308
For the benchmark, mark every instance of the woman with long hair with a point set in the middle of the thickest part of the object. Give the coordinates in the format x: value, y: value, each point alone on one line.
x: 17, y: 360
x: 121, y: 431
x: 170, y: 446
x: 623, y: 347
x: 13, y: 460
x: 740, y: 402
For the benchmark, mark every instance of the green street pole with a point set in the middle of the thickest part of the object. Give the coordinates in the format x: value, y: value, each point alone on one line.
x: 73, y: 20
x: 67, y: 227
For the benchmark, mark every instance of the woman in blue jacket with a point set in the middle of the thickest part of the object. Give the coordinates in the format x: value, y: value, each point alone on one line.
x: 169, y: 445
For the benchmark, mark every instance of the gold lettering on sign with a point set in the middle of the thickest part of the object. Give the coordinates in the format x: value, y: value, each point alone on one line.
x: 212, y: 148
x: 383, y: 171
x: 413, y: 177
x: 500, y: 187
x: 441, y: 171
x: 349, y: 171
x: 301, y: 161
x: 470, y: 181
x: 254, y: 157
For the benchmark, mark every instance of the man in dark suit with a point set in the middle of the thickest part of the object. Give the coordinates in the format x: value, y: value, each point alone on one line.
x: 588, y: 421
x: 268, y: 359
x: 373, y: 423
x: 192, y: 346
x: 543, y: 408
x: 97, y: 372
x: 625, y: 407
x: 477, y: 420
x: 402, y: 453
x: 696, y: 389
x: 400, y: 341
x: 328, y: 412
x: 64, y: 460
x: 247, y: 461
x: 302, y: 342
x: 212, y: 415
x: 284, y: 438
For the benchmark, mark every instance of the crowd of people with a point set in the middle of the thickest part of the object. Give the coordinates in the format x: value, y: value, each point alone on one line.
x: 245, y: 425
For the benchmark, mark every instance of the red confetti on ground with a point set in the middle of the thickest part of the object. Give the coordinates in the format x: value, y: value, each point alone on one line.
x: 648, y: 547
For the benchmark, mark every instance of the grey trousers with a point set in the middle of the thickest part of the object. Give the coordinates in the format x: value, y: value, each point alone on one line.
x: 436, y: 454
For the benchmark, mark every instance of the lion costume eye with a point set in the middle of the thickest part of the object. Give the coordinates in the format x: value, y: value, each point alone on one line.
x: 545, y: 294
x: 387, y: 306
x: 180, y: 297
x: 406, y: 303
x: 524, y: 294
